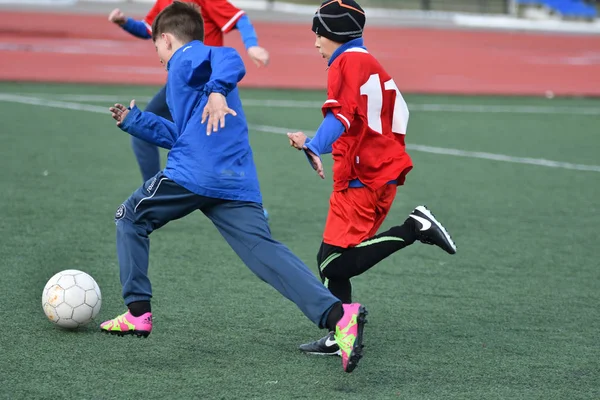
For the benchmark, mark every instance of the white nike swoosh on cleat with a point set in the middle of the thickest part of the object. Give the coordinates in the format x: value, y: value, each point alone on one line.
x: 330, y: 343
x: 426, y: 224
x: 425, y: 211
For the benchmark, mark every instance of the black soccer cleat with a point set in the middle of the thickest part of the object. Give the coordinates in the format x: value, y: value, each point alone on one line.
x: 430, y: 231
x: 326, y: 346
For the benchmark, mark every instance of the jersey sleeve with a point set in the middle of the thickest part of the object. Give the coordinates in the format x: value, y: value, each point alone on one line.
x: 224, y: 14
x: 152, y: 14
x: 136, y: 28
x: 343, y: 91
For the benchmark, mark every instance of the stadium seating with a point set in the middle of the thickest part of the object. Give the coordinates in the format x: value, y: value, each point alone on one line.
x: 565, y: 8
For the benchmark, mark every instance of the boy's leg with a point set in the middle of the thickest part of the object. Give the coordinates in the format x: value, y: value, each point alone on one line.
x: 245, y: 228
x: 340, y: 288
x: 147, y: 154
x: 356, y: 258
x: 353, y: 217
x: 157, y: 202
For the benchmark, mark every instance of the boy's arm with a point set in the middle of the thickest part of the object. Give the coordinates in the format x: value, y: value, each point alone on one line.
x: 134, y: 27
x: 223, y: 14
x: 215, y: 71
x: 247, y: 32
x: 228, y: 17
x: 259, y: 55
x: 227, y: 70
x: 145, y: 125
x: 329, y: 131
x: 322, y: 143
x: 344, y: 90
x: 218, y: 72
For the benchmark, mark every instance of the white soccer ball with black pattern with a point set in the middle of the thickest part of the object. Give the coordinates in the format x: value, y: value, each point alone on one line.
x: 71, y: 299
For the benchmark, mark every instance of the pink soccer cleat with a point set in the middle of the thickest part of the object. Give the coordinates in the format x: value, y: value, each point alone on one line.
x: 127, y: 324
x: 349, y: 335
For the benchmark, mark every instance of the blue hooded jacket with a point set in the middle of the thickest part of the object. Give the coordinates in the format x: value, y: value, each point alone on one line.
x: 220, y: 165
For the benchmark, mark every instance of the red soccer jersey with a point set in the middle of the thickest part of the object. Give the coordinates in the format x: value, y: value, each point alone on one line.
x: 220, y: 16
x: 367, y: 101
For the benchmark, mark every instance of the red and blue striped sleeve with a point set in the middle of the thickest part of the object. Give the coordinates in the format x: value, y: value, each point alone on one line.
x: 329, y: 131
x: 136, y: 28
x: 247, y: 32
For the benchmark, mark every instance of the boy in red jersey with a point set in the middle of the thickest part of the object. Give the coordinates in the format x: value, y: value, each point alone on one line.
x: 365, y: 120
x: 220, y: 17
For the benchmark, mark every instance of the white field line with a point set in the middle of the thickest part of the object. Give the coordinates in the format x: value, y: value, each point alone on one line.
x: 463, y: 153
x: 280, y: 130
x: 36, y: 101
x: 455, y: 108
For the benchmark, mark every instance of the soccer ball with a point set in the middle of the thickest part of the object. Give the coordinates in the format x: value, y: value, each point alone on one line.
x: 71, y: 299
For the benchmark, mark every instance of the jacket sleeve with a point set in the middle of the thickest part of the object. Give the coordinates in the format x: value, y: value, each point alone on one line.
x: 220, y: 71
x: 150, y: 127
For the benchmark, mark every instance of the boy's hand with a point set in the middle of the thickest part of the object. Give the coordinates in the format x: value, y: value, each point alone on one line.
x: 259, y: 55
x: 119, y: 112
x: 297, y: 140
x: 116, y: 16
x: 216, y: 109
x: 315, y: 161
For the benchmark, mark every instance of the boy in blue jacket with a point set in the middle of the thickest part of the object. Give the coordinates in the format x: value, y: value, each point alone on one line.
x: 210, y: 167
x: 220, y: 17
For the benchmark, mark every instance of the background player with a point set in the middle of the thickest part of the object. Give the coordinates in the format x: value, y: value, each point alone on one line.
x: 220, y: 17
x: 216, y: 174
x: 364, y: 127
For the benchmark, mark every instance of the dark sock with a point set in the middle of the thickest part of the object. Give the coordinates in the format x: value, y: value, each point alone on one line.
x: 139, y: 308
x: 335, y: 314
x: 357, y: 260
x: 341, y: 288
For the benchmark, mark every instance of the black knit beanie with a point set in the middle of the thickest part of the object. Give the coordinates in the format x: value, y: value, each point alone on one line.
x: 339, y: 20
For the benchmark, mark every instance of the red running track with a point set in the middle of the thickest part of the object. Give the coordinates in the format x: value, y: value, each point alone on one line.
x: 88, y: 49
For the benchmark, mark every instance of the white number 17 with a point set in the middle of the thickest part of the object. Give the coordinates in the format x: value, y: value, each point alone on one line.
x: 372, y: 89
